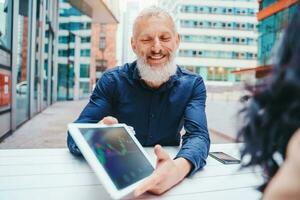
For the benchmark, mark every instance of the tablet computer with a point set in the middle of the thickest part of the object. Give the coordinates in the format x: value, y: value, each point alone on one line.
x: 114, y: 154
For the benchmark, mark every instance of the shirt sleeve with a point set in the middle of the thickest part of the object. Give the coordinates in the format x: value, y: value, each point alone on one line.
x: 195, y: 142
x: 99, y: 106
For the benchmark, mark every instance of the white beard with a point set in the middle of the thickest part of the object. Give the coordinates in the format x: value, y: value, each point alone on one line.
x: 156, y: 76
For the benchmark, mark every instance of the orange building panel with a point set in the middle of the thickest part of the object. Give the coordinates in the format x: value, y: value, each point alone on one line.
x: 274, y: 8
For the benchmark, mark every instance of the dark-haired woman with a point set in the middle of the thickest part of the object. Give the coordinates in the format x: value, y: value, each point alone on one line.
x: 286, y: 182
x: 272, y: 115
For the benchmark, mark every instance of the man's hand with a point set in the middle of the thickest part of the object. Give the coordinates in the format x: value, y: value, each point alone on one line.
x: 109, y: 120
x: 168, y: 173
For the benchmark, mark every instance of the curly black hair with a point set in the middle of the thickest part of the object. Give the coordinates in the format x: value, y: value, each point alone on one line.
x: 272, y: 114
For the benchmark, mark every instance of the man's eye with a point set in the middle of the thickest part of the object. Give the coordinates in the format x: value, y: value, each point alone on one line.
x: 145, y: 40
x: 165, y: 38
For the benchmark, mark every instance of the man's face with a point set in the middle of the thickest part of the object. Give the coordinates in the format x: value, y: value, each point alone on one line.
x: 155, y: 40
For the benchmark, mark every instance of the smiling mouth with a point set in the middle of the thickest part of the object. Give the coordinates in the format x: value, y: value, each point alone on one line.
x: 156, y: 57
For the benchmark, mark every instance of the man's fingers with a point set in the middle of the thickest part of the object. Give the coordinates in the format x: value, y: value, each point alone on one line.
x: 161, y: 153
x: 149, y: 183
x: 109, y: 120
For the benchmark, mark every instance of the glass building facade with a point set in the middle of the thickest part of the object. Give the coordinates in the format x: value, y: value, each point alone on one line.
x: 27, y: 60
x: 43, y: 50
x: 271, y: 26
x: 74, y: 53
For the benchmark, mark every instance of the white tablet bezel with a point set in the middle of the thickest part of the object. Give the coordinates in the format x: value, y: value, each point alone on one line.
x: 95, y: 164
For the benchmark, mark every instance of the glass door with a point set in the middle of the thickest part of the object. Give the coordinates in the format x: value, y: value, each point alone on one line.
x: 22, y: 87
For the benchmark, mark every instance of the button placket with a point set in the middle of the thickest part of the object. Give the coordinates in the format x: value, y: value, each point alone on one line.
x: 151, y: 118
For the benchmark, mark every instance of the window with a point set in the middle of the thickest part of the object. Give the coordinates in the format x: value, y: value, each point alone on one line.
x: 65, y: 52
x: 75, y: 26
x: 63, y: 39
x: 84, y: 89
x: 84, y: 71
x: 22, y: 49
x: 46, y: 48
x: 215, y: 54
x: 69, y: 12
x: 217, y: 10
x: 85, y: 39
x: 85, y: 52
x: 101, y: 65
x: 6, y: 24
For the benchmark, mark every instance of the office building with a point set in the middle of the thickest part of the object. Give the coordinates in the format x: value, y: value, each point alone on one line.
x: 85, y: 51
x: 217, y: 37
x: 273, y: 17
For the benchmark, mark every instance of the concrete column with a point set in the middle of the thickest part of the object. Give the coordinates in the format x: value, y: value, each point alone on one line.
x: 14, y: 63
x: 76, y: 67
x: 32, y: 44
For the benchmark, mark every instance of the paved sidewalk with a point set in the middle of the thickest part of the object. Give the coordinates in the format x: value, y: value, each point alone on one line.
x: 48, y: 129
x: 222, y: 117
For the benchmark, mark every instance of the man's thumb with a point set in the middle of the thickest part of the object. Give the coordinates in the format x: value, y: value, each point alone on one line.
x: 161, y: 153
x: 109, y: 120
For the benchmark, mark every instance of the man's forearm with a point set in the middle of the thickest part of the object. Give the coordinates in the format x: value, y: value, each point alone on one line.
x: 184, y: 166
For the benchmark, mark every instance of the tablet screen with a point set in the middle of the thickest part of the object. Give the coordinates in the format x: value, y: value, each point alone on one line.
x: 118, y: 154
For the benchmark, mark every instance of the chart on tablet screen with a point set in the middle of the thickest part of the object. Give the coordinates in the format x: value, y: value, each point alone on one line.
x: 108, y: 149
x: 118, y: 154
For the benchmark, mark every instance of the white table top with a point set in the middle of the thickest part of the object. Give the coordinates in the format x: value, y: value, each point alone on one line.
x: 56, y: 174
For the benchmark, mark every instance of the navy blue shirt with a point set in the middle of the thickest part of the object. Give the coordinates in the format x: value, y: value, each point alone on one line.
x: 157, y: 115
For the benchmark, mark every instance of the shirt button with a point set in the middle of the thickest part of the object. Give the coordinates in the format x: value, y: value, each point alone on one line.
x: 152, y: 115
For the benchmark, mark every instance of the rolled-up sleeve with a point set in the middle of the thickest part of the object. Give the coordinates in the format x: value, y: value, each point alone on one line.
x: 195, y: 142
x: 99, y: 106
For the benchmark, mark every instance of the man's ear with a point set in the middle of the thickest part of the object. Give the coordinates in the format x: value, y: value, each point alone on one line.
x: 177, y: 40
x: 133, y: 45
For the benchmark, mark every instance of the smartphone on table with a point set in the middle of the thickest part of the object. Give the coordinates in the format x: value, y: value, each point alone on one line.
x: 224, y: 158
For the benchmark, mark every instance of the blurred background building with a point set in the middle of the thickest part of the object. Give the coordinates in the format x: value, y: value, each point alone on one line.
x: 85, y: 51
x: 27, y: 61
x: 103, y: 51
x: 273, y: 17
x: 74, y: 53
x: 130, y: 10
x: 217, y: 37
x: 45, y: 54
